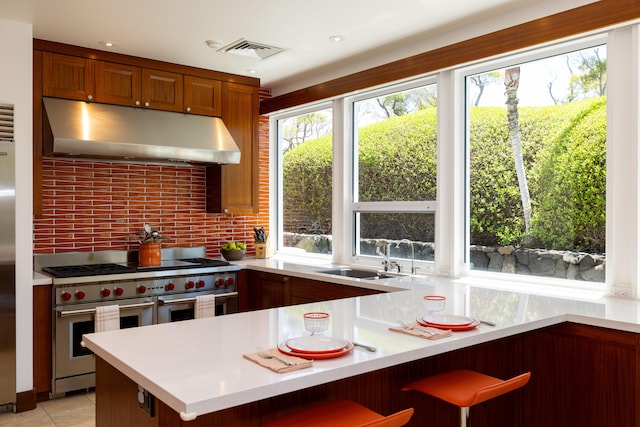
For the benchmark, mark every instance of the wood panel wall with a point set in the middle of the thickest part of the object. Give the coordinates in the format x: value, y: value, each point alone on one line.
x: 583, y: 19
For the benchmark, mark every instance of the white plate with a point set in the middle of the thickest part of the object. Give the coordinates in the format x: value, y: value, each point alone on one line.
x: 448, y: 319
x: 316, y: 344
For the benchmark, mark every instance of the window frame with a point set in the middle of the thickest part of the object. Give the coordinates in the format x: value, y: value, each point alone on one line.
x: 276, y: 178
x: 354, y: 206
x: 623, y: 164
x: 463, y: 268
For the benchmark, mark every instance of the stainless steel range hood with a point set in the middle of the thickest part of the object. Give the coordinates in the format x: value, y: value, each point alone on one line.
x: 89, y: 130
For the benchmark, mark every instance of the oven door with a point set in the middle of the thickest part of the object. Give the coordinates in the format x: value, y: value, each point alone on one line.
x: 174, y: 308
x: 73, y: 321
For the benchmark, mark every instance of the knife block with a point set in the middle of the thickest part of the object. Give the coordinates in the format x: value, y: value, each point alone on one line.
x: 262, y: 250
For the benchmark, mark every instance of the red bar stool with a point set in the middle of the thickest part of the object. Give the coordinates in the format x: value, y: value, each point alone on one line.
x: 465, y: 388
x: 341, y: 413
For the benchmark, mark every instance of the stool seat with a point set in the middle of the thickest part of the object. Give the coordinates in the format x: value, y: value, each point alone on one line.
x: 465, y: 388
x: 341, y: 413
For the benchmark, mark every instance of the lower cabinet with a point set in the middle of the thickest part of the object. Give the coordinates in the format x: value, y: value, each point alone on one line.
x: 581, y: 376
x: 258, y: 290
x: 42, y: 341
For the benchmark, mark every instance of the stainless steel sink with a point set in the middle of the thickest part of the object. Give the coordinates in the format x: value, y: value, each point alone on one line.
x: 357, y: 273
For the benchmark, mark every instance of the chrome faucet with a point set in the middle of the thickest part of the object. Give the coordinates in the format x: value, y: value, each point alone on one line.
x: 413, y: 255
x: 385, y: 253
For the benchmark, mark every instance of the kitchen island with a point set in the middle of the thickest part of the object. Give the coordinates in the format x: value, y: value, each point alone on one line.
x: 197, y: 376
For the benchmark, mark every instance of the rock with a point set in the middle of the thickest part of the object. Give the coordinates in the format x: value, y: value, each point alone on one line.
x: 542, y: 266
x: 573, y: 272
x: 587, y: 262
x: 479, y: 260
x: 495, y: 262
x: 509, y: 264
x: 595, y: 274
x: 561, y: 268
x: 572, y: 257
x: 506, y: 250
x: 522, y: 256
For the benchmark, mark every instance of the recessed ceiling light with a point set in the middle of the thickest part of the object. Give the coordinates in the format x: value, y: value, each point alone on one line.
x: 107, y: 43
x: 213, y: 44
x: 251, y: 71
x: 336, y: 39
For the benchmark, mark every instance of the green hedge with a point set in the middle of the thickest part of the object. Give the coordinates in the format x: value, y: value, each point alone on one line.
x: 564, y: 153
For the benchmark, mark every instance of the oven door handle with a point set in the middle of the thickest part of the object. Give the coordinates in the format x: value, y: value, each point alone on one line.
x: 93, y: 310
x: 163, y: 301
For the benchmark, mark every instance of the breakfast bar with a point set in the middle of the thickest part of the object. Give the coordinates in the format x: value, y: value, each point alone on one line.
x: 194, y: 373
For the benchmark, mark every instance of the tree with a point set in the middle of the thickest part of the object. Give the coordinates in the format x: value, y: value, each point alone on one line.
x: 401, y: 103
x: 481, y: 81
x: 593, y: 81
x: 511, y: 83
x: 305, y: 127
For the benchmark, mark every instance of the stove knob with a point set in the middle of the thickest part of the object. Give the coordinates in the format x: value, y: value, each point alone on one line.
x: 189, y: 284
x: 105, y: 292
x: 66, y: 296
x: 141, y: 289
x: 230, y: 281
x: 118, y: 291
x: 200, y: 284
x: 169, y: 287
x: 79, y: 294
x: 219, y: 282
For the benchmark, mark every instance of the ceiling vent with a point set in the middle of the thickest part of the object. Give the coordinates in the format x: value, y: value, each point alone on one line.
x: 250, y: 49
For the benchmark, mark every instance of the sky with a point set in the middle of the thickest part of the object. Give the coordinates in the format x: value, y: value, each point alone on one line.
x: 534, y: 78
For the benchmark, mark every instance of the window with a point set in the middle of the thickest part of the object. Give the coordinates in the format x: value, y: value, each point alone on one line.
x: 537, y: 166
x: 305, y: 163
x: 394, y: 174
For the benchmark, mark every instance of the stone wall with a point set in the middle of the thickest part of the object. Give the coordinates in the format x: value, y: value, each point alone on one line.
x: 505, y: 259
x: 540, y: 262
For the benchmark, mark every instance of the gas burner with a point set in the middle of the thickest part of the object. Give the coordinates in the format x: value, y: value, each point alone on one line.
x: 206, y: 262
x: 87, y: 270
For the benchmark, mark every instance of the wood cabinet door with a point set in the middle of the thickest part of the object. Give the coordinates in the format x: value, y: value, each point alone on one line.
x: 117, y: 84
x: 202, y: 96
x: 162, y: 90
x: 67, y: 76
x: 268, y: 290
x: 307, y: 290
x: 239, y: 185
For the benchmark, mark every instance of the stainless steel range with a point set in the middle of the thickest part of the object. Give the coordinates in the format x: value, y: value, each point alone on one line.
x: 83, y: 281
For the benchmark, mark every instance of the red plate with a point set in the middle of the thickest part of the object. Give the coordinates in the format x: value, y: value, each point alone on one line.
x: 447, y: 319
x: 471, y: 325
x: 315, y: 356
x: 314, y: 344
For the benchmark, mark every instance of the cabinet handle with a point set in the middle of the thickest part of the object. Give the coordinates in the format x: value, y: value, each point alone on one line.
x: 89, y: 97
x: 146, y: 104
x: 188, y: 109
x: 137, y: 103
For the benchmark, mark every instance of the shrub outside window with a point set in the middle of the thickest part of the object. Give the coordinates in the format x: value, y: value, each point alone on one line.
x: 394, y: 188
x: 305, y: 153
x: 537, y: 167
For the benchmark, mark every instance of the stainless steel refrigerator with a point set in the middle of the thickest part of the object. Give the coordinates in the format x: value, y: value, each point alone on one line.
x: 7, y: 257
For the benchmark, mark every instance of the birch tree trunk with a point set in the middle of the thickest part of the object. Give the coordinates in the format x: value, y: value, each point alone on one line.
x: 511, y: 82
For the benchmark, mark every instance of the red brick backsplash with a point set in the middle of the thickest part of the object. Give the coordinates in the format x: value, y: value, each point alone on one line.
x: 101, y: 205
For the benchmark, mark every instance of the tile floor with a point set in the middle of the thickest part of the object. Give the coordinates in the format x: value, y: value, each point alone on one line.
x: 76, y: 409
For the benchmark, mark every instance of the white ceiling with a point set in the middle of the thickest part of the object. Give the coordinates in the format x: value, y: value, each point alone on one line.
x: 176, y: 31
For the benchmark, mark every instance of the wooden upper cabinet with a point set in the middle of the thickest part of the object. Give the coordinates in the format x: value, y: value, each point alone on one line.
x: 117, y: 84
x: 162, y: 90
x: 202, y: 96
x: 67, y: 77
x: 239, y: 183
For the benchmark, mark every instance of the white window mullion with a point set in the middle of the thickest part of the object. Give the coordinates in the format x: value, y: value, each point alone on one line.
x: 623, y: 137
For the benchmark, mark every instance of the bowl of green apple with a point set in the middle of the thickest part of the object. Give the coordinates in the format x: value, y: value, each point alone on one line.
x: 233, y: 251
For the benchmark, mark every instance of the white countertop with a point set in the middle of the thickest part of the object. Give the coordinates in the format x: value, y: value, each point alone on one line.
x: 40, y: 279
x: 196, y: 366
